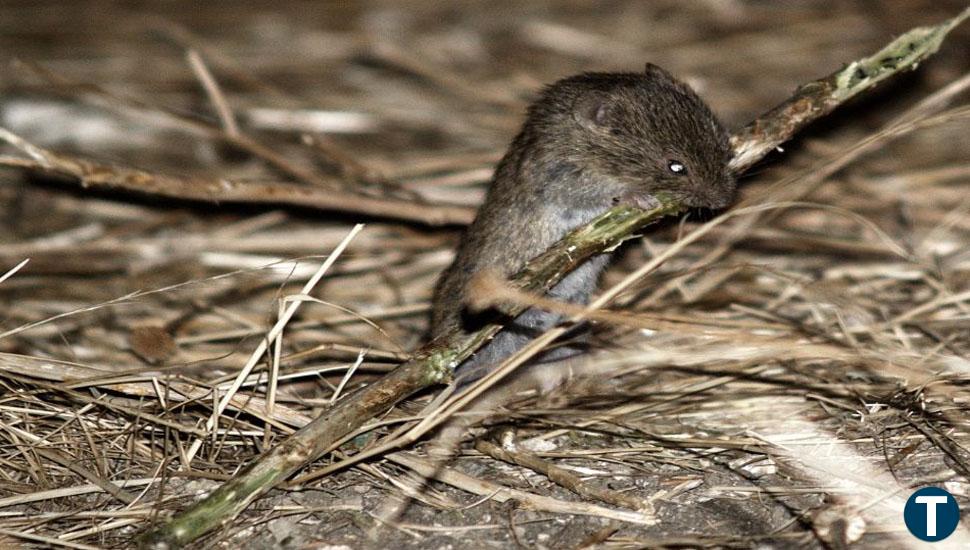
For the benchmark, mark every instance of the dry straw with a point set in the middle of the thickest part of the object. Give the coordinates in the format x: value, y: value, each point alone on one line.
x: 825, y: 315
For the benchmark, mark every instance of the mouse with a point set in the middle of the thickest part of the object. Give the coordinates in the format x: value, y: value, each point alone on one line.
x: 589, y: 142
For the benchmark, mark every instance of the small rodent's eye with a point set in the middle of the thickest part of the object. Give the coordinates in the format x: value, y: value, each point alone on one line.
x: 676, y: 167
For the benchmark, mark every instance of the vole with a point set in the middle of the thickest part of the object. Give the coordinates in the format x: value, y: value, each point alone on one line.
x: 589, y: 142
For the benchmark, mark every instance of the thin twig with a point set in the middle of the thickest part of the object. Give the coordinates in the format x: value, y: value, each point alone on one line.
x: 214, y: 92
x: 511, y: 453
x: 192, y: 188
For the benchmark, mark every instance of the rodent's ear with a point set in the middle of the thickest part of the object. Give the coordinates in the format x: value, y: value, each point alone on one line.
x: 656, y: 71
x: 593, y: 110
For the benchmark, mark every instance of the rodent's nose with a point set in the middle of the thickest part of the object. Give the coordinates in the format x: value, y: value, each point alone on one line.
x: 714, y: 196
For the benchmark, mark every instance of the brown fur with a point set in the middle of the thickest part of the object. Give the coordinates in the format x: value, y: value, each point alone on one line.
x: 589, y: 142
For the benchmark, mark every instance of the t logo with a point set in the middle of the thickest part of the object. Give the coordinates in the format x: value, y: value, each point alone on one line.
x: 931, y: 514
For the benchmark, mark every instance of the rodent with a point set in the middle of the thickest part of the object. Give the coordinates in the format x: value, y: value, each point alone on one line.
x: 588, y: 143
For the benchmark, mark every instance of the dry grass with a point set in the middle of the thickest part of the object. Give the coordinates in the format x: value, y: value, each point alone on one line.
x: 801, y: 359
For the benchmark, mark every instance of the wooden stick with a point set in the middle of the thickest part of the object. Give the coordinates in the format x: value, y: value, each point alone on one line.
x: 94, y: 174
x: 561, y: 476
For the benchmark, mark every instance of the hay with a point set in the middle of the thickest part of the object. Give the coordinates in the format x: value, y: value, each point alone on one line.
x: 836, y: 321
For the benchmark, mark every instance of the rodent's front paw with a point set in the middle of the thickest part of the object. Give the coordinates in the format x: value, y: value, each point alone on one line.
x: 640, y: 199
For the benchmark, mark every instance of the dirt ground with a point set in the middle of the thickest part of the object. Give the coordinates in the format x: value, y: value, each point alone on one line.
x: 790, y: 376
